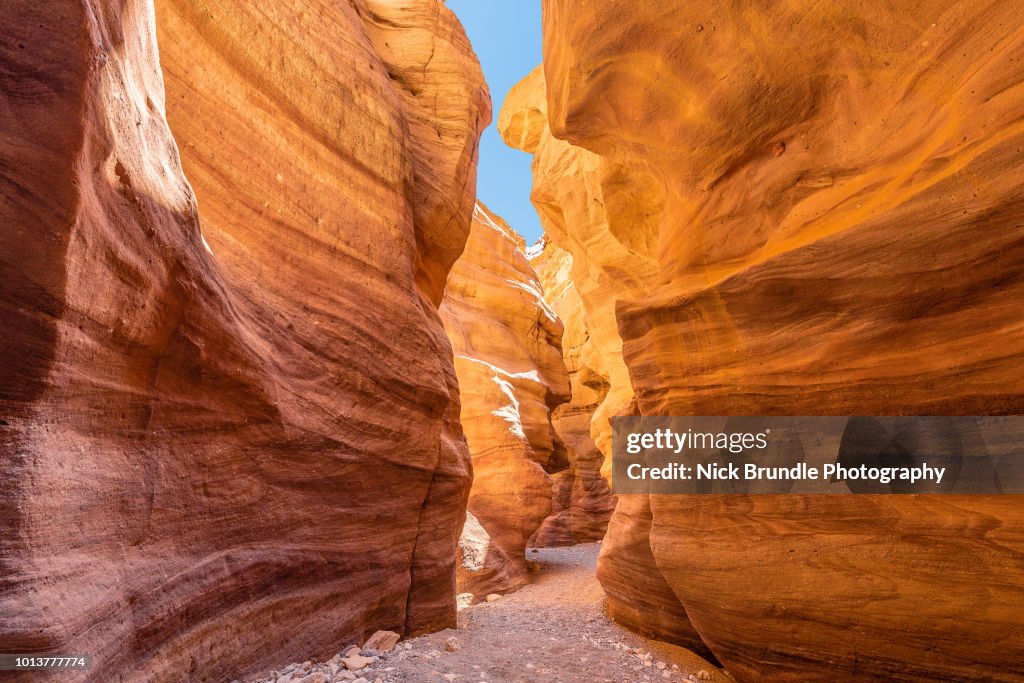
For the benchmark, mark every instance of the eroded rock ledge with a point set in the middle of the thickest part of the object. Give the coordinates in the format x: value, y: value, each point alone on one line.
x: 508, y: 356
x: 582, y: 503
x: 203, y: 401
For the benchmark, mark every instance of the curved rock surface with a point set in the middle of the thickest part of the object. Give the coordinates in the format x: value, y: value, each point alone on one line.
x: 508, y: 357
x: 229, y: 435
x: 821, y: 212
x: 586, y: 204
x: 581, y: 198
x: 582, y: 502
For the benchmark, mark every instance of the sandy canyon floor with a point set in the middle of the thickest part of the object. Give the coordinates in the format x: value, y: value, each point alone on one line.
x: 553, y: 630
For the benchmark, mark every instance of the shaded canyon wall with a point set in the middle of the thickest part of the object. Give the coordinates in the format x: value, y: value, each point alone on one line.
x: 508, y: 357
x: 229, y: 427
x: 797, y: 211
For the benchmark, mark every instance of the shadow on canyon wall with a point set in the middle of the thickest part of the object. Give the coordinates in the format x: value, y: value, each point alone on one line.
x: 230, y: 412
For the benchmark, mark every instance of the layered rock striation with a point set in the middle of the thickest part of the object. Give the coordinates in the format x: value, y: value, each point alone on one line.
x: 229, y: 408
x: 800, y: 210
x: 582, y: 503
x: 508, y: 357
x: 605, y: 218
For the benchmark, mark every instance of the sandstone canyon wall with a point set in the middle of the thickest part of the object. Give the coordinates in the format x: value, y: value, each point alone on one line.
x: 582, y: 503
x: 229, y: 422
x: 604, y: 217
x: 798, y: 210
x: 508, y: 357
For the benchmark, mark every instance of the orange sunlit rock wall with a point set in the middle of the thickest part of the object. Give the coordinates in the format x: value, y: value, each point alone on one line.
x: 798, y: 210
x: 582, y: 503
x: 581, y: 198
x: 229, y: 426
x: 508, y: 357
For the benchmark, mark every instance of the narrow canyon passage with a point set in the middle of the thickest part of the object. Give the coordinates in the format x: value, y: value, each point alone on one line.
x: 554, y: 630
x: 279, y: 380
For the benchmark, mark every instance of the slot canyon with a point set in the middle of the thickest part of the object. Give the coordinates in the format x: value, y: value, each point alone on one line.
x: 274, y: 379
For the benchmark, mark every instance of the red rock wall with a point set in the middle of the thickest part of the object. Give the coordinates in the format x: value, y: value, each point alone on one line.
x: 829, y: 198
x: 508, y: 356
x: 582, y: 503
x: 229, y: 426
x: 589, y: 208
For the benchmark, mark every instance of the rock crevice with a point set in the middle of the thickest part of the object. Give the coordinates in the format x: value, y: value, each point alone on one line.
x: 508, y: 356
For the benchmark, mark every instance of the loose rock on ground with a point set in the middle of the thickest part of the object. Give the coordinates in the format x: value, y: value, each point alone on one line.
x: 553, y: 630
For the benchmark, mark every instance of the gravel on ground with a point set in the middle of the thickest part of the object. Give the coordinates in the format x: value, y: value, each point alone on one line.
x: 553, y: 631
